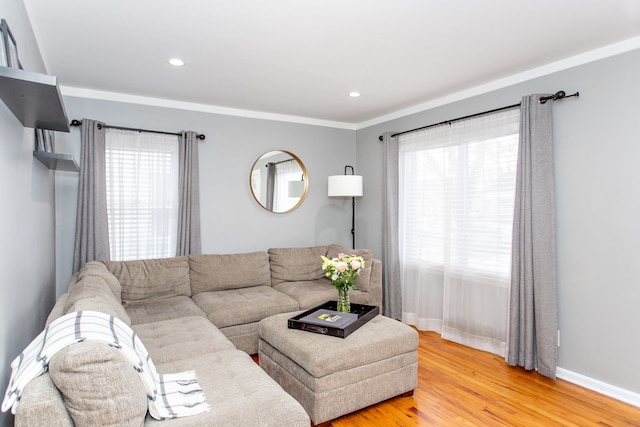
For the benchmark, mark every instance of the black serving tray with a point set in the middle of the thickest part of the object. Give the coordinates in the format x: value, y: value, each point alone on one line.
x: 364, y: 312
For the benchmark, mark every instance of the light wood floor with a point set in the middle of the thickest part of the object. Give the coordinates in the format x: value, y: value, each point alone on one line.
x: 459, y: 386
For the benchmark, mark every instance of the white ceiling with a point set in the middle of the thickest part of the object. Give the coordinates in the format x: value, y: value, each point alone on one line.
x: 302, y: 57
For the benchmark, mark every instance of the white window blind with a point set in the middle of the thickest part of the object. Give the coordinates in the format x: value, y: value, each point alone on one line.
x: 456, y: 199
x: 457, y: 195
x: 142, y: 194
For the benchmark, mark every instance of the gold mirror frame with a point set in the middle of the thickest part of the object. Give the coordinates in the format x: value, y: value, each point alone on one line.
x: 258, y: 177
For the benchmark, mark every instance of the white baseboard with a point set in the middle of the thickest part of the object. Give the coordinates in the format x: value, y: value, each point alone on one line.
x: 599, y: 386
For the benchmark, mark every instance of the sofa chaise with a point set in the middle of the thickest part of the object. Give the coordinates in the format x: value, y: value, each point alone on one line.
x: 196, y: 312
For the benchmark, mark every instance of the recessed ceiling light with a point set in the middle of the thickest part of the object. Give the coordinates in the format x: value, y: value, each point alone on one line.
x: 176, y: 62
x: 354, y: 94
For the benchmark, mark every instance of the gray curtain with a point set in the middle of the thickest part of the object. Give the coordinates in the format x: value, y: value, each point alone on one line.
x: 189, y: 240
x: 271, y: 184
x: 533, y: 312
x: 92, y: 228
x: 391, y: 288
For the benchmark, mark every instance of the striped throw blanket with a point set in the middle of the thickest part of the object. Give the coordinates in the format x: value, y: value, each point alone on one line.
x: 169, y: 395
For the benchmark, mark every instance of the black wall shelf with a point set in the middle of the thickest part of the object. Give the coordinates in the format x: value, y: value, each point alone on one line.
x: 34, y: 99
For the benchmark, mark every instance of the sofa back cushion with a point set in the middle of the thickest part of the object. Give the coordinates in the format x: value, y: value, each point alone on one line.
x: 220, y: 272
x: 150, y: 279
x: 58, y: 309
x: 93, y: 289
x: 99, y: 385
x: 98, y: 269
x: 364, y: 278
x: 296, y: 264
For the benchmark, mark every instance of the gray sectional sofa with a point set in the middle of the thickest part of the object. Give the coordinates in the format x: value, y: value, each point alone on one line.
x: 197, y: 312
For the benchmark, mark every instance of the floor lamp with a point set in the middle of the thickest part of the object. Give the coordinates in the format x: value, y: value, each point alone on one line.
x: 347, y: 186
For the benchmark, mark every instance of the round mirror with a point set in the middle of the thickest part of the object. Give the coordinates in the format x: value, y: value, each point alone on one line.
x: 279, y: 181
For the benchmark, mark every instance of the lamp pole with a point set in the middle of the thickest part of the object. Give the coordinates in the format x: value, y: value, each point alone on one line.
x: 353, y: 221
x: 353, y: 211
x: 347, y: 185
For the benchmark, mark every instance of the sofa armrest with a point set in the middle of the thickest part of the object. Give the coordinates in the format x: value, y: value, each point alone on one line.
x: 42, y: 404
x: 371, y: 294
x: 375, y: 284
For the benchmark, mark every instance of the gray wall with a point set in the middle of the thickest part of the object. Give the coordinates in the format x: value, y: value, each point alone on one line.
x: 597, y: 189
x: 232, y: 221
x: 597, y: 147
x: 26, y: 220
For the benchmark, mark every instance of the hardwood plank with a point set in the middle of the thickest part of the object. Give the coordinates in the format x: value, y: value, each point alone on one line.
x: 459, y: 386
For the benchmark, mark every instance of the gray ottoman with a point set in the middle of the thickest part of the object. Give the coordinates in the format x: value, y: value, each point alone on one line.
x: 332, y: 376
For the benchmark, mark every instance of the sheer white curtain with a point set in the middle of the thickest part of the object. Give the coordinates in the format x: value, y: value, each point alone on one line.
x: 142, y: 194
x: 286, y: 171
x: 456, y: 198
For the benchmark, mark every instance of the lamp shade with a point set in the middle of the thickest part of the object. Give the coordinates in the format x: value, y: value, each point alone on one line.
x: 345, y: 186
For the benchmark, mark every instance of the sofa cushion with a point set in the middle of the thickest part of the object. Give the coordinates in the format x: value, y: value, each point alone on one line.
x: 244, y: 337
x: 240, y: 393
x: 296, y: 264
x: 99, y: 385
x: 58, y: 308
x: 239, y: 306
x: 170, y: 340
x: 101, y: 303
x: 364, y: 278
x: 150, y: 279
x: 309, y: 293
x: 92, y: 293
x: 162, y: 309
x: 98, y: 269
x: 220, y: 272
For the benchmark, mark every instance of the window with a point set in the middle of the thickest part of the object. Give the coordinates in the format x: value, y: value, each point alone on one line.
x: 457, y: 195
x: 142, y: 194
x: 456, y: 200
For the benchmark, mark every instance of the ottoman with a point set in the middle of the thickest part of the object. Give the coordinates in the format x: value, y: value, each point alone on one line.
x: 333, y: 376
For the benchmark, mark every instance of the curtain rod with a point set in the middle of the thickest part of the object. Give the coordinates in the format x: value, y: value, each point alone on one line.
x: 75, y: 122
x: 558, y: 95
x: 281, y: 161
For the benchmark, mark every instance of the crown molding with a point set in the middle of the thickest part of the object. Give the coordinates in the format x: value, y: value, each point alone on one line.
x: 563, y: 64
x: 78, y: 92
x: 573, y: 61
